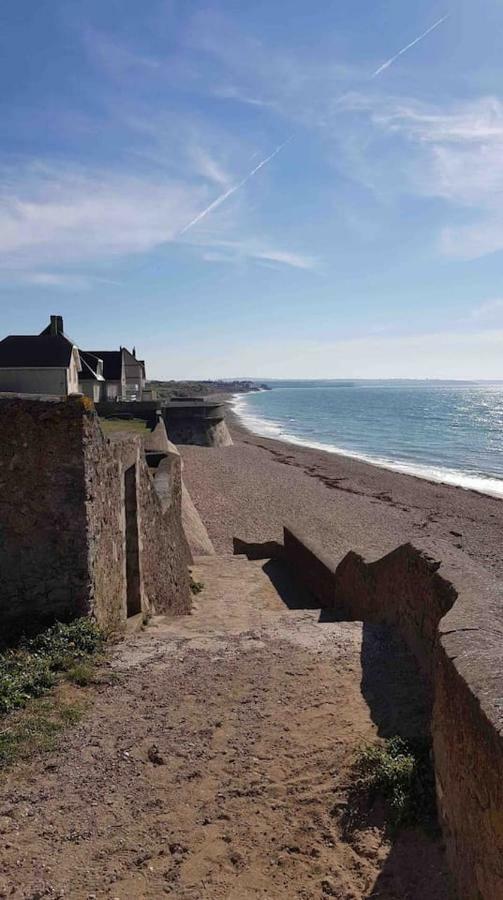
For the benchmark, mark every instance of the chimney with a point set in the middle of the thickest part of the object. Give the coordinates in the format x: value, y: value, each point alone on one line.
x: 56, y: 326
x: 134, y: 352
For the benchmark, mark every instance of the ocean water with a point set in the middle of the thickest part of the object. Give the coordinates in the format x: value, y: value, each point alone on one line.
x: 443, y: 431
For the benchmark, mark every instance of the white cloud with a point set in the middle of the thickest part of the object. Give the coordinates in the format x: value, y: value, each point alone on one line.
x: 53, y: 220
x: 68, y: 281
x: 457, y: 156
x: 230, y: 92
x: 209, y: 168
x: 239, y: 250
x: 73, y: 215
x: 49, y: 280
x: 115, y: 57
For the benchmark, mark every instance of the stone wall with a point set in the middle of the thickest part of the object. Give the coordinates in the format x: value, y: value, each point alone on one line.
x: 63, y: 519
x: 43, y: 550
x: 454, y: 624
x: 164, y: 549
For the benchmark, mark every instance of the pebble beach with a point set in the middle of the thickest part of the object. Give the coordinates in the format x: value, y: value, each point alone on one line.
x: 252, y: 488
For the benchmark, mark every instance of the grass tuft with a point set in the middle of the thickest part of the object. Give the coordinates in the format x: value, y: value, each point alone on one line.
x: 81, y: 674
x: 31, y: 669
x: 401, y: 773
x: 196, y: 586
x: 37, y: 730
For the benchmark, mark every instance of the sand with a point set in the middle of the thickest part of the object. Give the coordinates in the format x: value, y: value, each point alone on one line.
x: 249, y: 490
x: 217, y: 764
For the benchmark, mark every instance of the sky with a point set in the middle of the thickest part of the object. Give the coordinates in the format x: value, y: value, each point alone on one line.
x: 271, y: 189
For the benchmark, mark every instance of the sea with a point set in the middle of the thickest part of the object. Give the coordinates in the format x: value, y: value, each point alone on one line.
x: 443, y: 431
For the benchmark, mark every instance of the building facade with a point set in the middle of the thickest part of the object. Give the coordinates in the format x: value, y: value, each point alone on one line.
x: 48, y: 363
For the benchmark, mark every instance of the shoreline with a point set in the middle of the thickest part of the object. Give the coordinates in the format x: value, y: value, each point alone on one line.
x: 253, y: 488
x: 401, y: 468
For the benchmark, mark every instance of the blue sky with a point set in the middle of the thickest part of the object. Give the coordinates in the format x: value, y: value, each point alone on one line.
x: 370, y: 244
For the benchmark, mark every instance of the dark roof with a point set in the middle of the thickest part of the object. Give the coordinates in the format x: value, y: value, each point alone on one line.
x: 90, y: 365
x: 35, y: 351
x: 112, y: 362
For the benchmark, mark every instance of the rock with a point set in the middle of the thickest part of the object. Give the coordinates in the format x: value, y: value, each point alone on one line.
x: 154, y: 756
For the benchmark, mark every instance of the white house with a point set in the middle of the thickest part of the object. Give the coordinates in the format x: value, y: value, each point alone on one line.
x: 47, y: 363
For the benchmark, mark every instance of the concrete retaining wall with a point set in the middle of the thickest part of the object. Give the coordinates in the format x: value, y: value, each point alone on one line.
x: 200, y: 423
x: 454, y: 624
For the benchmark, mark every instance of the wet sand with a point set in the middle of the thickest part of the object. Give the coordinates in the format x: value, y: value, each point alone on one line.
x: 249, y: 490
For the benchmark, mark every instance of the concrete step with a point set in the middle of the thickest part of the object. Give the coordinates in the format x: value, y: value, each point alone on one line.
x: 265, y: 584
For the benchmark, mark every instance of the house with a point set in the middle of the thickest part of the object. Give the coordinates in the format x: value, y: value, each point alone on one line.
x: 135, y: 375
x: 92, y: 380
x: 123, y: 375
x: 51, y: 364
x: 48, y: 363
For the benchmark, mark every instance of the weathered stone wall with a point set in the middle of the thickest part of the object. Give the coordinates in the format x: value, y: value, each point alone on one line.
x: 163, y: 552
x: 105, y: 463
x: 63, y: 521
x: 454, y: 624
x: 43, y: 548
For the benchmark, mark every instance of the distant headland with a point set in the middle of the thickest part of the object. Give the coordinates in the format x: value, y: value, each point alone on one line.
x: 166, y: 390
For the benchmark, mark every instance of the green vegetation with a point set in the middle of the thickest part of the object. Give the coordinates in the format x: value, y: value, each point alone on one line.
x: 31, y: 669
x: 166, y: 390
x: 135, y: 426
x: 196, y: 586
x: 401, y: 773
x: 37, y: 729
x: 81, y: 674
x: 62, y: 653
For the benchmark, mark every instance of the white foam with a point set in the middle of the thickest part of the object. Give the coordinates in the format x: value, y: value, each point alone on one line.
x: 481, y: 483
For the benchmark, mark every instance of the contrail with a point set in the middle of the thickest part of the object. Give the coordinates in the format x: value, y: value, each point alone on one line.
x: 393, y: 59
x: 235, y: 187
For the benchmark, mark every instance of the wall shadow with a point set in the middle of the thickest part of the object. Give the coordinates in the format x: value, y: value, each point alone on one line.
x: 394, y: 688
x: 399, y: 701
x: 415, y: 869
x: 292, y: 592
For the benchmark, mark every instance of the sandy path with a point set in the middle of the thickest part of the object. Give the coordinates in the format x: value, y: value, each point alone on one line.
x: 217, y: 766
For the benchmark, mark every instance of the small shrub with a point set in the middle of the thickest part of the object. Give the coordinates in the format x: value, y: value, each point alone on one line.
x: 22, y: 676
x: 401, y: 772
x: 81, y: 674
x: 63, y: 643
x: 196, y: 586
x: 31, y: 670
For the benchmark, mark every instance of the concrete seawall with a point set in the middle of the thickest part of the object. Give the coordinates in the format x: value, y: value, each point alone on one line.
x: 200, y: 422
x: 453, y: 622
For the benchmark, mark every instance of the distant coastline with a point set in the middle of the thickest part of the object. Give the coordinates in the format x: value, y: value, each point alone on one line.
x: 167, y: 390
